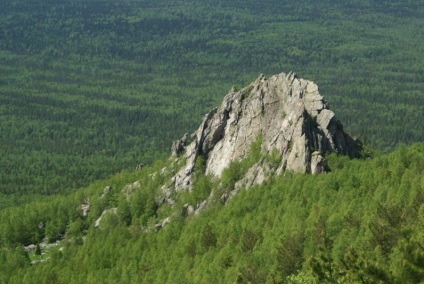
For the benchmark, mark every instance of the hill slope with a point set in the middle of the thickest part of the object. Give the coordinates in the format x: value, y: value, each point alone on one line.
x: 362, y: 221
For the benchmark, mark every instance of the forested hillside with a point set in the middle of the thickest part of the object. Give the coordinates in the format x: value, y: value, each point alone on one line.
x: 89, y: 88
x: 362, y: 222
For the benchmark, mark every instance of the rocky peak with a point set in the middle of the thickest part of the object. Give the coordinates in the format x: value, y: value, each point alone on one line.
x: 290, y: 115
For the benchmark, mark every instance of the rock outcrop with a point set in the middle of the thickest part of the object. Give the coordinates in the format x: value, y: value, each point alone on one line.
x: 290, y: 115
x: 104, y: 213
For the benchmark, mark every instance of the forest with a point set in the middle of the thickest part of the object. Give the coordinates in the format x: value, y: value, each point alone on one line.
x: 89, y: 89
x: 350, y: 225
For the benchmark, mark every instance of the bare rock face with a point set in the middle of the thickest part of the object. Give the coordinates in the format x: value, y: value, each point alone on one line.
x: 290, y: 115
x: 179, y: 146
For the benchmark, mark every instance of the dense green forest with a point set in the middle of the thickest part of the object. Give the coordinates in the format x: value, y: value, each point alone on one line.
x: 91, y: 88
x: 350, y: 225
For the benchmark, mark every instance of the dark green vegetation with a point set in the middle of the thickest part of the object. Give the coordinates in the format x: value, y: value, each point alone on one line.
x: 350, y: 225
x: 89, y: 88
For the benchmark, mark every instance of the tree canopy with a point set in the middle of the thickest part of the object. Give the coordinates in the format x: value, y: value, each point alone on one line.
x: 89, y: 88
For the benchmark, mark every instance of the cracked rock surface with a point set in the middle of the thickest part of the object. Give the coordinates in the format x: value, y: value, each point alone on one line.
x: 287, y: 111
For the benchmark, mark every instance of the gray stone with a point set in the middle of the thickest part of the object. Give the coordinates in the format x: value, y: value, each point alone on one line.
x: 108, y: 211
x: 129, y: 189
x: 31, y: 247
x: 106, y: 191
x: 256, y: 175
x: 162, y: 223
x: 188, y: 210
x: 85, y: 209
x: 179, y: 146
x: 317, y: 163
x: 290, y: 115
x: 224, y: 197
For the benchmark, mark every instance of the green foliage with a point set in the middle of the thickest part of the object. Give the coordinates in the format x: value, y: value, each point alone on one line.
x: 202, y: 187
x: 38, y: 250
x: 293, y: 229
x: 290, y: 254
x: 142, y: 205
x: 13, y: 260
x: 274, y: 158
x: 87, y: 90
x: 249, y: 238
x: 231, y: 175
x: 124, y: 213
x: 236, y: 170
x: 208, y: 238
x: 202, y: 184
x: 90, y: 89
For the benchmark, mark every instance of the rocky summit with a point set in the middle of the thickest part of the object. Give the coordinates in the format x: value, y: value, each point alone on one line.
x: 286, y: 111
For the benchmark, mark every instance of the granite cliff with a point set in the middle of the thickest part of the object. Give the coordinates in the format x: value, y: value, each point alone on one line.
x: 289, y: 114
x: 285, y: 114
